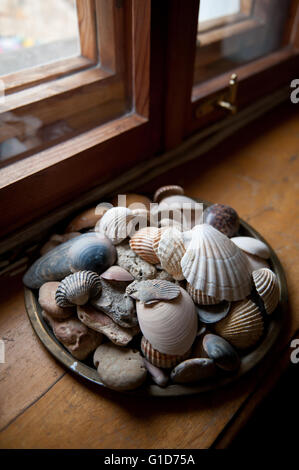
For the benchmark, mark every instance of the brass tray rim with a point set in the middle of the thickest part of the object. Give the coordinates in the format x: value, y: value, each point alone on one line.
x: 248, y: 361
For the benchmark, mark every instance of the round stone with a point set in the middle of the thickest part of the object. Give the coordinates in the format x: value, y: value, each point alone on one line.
x: 119, y: 368
x: 47, y: 301
x: 223, y: 218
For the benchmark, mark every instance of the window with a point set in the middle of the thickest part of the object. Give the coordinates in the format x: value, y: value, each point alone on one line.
x: 149, y: 75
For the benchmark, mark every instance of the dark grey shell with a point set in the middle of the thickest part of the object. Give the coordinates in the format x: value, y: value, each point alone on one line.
x: 210, y: 314
x: 90, y: 251
x: 78, y: 289
x: 224, y: 355
x: 193, y: 370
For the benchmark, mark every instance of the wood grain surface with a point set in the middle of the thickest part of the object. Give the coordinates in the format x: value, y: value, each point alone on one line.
x: 256, y: 172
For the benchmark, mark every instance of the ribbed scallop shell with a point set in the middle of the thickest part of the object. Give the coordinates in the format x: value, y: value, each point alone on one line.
x: 267, y: 286
x: 200, y: 297
x: 244, y: 325
x: 142, y: 244
x: 166, y: 191
x: 215, y: 265
x: 159, y: 359
x: 151, y: 291
x: 170, y: 251
x: 170, y: 327
x: 78, y: 288
x: 114, y: 224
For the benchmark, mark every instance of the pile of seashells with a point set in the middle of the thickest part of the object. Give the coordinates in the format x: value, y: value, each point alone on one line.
x: 188, y: 302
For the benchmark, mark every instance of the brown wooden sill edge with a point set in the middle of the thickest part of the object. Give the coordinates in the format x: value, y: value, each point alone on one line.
x: 192, y: 148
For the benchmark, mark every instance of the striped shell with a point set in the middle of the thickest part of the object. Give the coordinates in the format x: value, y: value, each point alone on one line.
x: 267, y: 286
x: 200, y: 297
x: 215, y: 265
x: 142, y: 244
x: 114, y: 223
x: 159, y: 359
x: 171, y: 326
x: 78, y: 288
x: 170, y: 251
x: 244, y: 325
x: 166, y: 191
x: 153, y: 290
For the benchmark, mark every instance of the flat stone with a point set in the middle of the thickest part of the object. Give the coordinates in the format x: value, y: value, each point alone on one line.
x: 100, y: 322
x: 48, y: 303
x: 193, y: 370
x: 119, y: 368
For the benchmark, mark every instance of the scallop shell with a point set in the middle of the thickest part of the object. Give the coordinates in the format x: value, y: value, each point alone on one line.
x: 244, y: 325
x: 253, y: 246
x: 215, y: 265
x: 114, y: 223
x: 152, y: 291
x: 78, y: 288
x: 267, y: 287
x: 142, y: 244
x: 159, y: 359
x: 170, y: 251
x: 166, y: 191
x: 170, y: 327
x: 200, y: 298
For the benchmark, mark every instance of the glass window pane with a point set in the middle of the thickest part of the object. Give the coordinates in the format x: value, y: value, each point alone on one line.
x: 235, y: 32
x: 37, y: 32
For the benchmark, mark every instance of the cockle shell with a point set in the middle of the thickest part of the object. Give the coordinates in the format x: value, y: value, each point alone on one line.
x: 244, y: 325
x: 267, y: 287
x: 165, y: 191
x: 152, y: 291
x: 253, y: 246
x: 170, y: 327
x: 170, y: 251
x: 199, y: 297
x: 159, y: 359
x: 223, y: 353
x: 215, y: 265
x: 114, y: 224
x: 88, y: 252
x: 78, y: 288
x: 142, y: 244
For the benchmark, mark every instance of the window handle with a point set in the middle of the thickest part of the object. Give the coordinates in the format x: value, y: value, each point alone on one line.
x: 231, y: 103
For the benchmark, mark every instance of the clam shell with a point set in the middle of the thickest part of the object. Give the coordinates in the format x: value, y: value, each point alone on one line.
x: 166, y: 191
x: 267, y: 287
x: 244, y: 325
x: 209, y: 314
x: 223, y: 353
x: 152, y: 291
x: 78, y: 288
x: 142, y: 244
x: 170, y: 327
x: 215, y: 265
x: 114, y: 224
x: 252, y: 246
x: 159, y: 359
x: 200, y: 297
x: 255, y: 262
x: 170, y: 251
x: 193, y: 370
x: 87, y: 252
x: 223, y: 218
x: 116, y: 273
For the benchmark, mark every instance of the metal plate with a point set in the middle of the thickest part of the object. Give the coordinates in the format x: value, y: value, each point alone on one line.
x: 248, y: 361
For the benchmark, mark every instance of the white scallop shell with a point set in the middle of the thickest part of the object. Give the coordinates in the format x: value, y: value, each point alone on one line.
x: 114, y: 223
x: 244, y: 325
x: 215, y: 265
x: 159, y: 359
x: 78, y: 288
x: 170, y: 251
x: 200, y: 297
x: 170, y: 327
x: 252, y: 246
x: 142, y: 243
x: 267, y: 286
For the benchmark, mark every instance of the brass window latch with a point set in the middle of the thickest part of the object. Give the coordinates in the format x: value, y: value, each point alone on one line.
x: 225, y: 100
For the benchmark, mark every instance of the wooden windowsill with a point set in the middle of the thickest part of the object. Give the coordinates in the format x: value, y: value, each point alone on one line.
x: 45, y: 406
